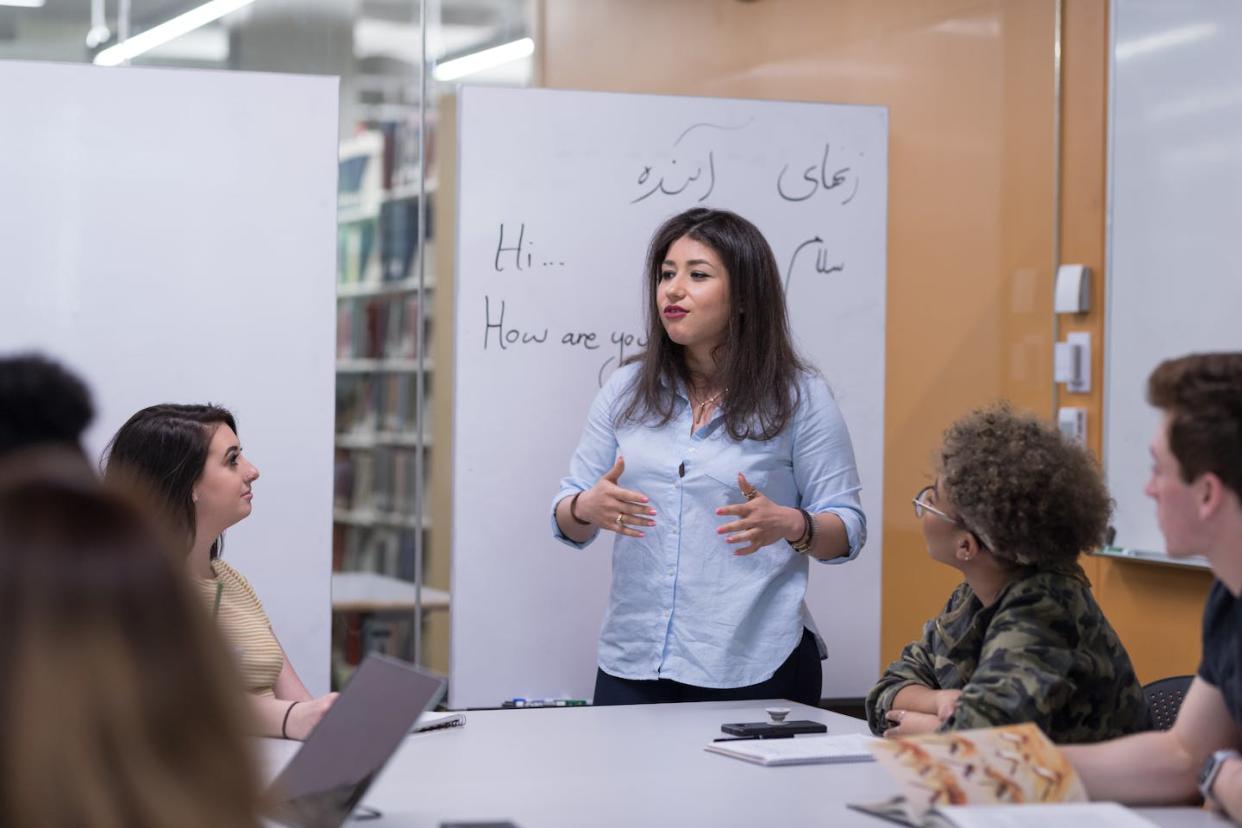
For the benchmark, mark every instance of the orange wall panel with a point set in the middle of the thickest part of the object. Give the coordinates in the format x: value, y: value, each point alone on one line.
x: 972, y: 221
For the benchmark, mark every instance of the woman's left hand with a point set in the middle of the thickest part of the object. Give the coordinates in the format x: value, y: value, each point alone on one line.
x: 910, y: 723
x: 760, y: 521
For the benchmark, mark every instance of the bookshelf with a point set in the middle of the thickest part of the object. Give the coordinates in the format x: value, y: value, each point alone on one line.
x: 382, y: 444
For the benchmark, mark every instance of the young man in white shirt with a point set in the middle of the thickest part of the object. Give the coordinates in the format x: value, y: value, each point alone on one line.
x: 1196, y: 481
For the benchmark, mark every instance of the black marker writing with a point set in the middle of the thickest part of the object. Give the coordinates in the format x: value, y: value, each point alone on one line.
x: 516, y: 249
x: 584, y: 338
x: 679, y: 184
x: 522, y: 258
x: 622, y: 340
x: 813, y: 180
x: 822, y: 263
x: 507, y: 336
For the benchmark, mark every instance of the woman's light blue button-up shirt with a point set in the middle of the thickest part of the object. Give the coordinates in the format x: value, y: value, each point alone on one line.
x: 682, y: 605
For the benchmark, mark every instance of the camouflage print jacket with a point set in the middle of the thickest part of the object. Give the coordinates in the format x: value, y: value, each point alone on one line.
x: 1042, y: 653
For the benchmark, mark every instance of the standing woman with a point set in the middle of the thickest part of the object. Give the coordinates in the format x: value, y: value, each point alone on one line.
x: 721, y: 462
x: 188, y: 460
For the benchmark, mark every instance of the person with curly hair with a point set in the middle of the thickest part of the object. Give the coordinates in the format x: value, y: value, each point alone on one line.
x: 1021, y: 639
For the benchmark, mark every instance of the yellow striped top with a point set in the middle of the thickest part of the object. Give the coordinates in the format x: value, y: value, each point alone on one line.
x: 247, y: 630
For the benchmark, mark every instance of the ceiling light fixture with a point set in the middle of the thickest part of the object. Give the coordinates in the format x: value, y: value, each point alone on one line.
x: 485, y: 59
x: 168, y: 30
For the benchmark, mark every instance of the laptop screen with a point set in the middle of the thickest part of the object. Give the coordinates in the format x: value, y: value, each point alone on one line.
x: 325, y: 780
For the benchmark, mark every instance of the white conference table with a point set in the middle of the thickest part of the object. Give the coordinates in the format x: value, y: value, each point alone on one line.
x: 633, y: 766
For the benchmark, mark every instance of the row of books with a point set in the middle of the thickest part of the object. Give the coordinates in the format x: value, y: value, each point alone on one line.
x: 379, y: 480
x: 380, y: 549
x: 357, y: 637
x: 378, y: 327
x: 356, y: 252
x: 400, y: 157
x: 383, y: 157
x: 381, y: 245
x: 367, y: 403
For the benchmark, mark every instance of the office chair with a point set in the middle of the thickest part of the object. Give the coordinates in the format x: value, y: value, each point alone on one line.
x: 1164, y: 699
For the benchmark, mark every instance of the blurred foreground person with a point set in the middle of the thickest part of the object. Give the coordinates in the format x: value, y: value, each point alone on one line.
x: 41, y: 404
x: 118, y: 704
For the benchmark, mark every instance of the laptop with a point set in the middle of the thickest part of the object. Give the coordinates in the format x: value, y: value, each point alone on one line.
x: 332, y: 771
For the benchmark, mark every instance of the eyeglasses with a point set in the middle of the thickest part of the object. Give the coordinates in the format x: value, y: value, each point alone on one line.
x: 921, y: 507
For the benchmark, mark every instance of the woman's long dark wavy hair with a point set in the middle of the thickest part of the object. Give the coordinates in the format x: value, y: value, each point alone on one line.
x: 161, y: 451
x: 757, y: 362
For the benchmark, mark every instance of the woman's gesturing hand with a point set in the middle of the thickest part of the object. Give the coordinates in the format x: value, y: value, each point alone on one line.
x: 611, y: 507
x: 760, y: 521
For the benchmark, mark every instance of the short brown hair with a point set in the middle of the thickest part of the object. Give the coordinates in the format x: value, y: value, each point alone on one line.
x: 1034, y: 497
x: 1202, y: 394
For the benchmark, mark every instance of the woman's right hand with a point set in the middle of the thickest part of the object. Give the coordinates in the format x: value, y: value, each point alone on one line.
x: 611, y: 507
x: 305, y: 715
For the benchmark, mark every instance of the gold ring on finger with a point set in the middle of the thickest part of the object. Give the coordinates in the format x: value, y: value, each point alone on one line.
x: 620, y: 518
x: 752, y: 494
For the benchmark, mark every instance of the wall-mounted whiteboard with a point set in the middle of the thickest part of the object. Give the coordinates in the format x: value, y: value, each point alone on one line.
x: 1175, y: 207
x: 559, y: 195
x: 171, y: 236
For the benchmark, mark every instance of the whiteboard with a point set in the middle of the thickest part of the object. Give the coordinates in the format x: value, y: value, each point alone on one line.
x: 1175, y: 207
x: 170, y: 236
x: 559, y: 195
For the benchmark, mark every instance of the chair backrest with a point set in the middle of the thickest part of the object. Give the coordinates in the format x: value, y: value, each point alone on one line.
x: 1164, y: 699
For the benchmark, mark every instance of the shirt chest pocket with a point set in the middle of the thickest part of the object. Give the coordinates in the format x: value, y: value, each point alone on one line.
x: 766, y: 471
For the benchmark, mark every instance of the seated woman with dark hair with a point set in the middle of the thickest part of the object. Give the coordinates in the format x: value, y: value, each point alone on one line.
x: 1021, y: 639
x: 187, y: 459
x: 118, y: 705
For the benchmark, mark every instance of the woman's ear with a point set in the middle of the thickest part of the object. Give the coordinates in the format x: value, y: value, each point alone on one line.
x: 967, y: 547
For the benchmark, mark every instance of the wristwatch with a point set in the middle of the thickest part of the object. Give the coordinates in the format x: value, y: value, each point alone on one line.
x: 1211, y: 769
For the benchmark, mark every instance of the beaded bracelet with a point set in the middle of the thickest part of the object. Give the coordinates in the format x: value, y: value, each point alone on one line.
x: 803, y: 544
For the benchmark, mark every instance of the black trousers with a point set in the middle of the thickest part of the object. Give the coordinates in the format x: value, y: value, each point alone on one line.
x: 798, y: 679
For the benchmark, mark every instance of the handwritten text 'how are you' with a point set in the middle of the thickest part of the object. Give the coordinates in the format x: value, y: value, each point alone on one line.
x: 507, y: 335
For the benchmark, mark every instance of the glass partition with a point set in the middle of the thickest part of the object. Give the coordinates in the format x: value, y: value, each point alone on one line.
x: 395, y: 58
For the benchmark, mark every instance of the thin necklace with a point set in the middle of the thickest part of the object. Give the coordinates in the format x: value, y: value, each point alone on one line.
x: 703, y: 405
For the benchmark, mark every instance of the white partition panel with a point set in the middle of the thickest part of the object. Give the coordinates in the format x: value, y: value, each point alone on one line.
x: 1175, y: 208
x: 559, y: 195
x: 170, y: 235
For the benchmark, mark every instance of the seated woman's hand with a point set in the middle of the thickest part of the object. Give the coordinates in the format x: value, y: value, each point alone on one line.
x: 306, y: 715
x: 611, y: 507
x: 910, y: 723
x: 760, y: 522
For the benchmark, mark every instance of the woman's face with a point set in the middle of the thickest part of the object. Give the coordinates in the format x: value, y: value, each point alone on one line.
x: 692, y: 296
x: 223, y: 491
